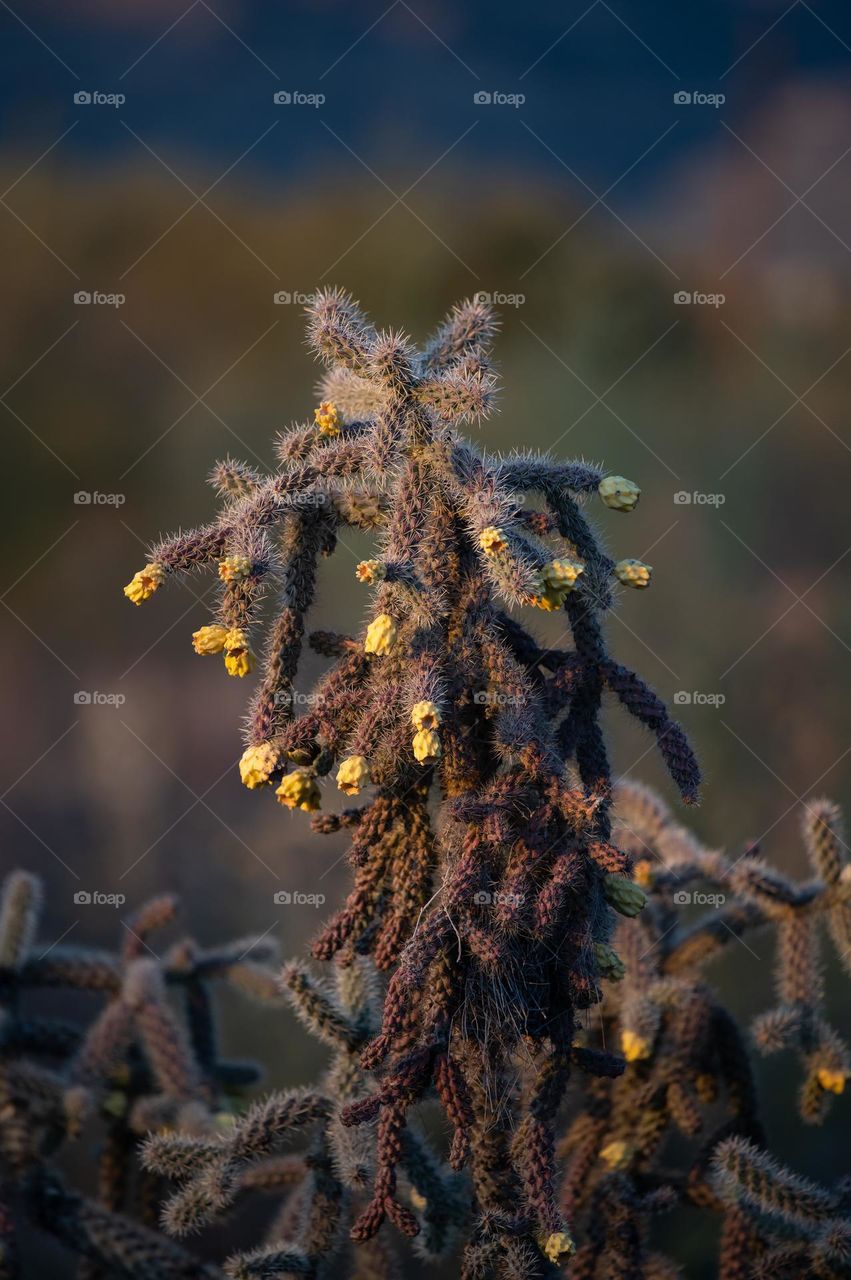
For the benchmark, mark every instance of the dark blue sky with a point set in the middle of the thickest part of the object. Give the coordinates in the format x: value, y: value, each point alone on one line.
x: 401, y: 93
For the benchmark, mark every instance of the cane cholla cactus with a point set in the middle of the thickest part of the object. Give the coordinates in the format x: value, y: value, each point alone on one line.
x: 146, y: 1061
x: 326, y: 1185
x: 492, y: 911
x: 686, y: 1057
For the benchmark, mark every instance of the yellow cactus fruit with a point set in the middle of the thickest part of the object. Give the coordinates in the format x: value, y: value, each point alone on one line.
x: 642, y: 873
x: 619, y: 493
x: 609, y: 962
x: 380, y: 635
x: 492, y: 541
x: 425, y: 715
x: 353, y: 775
x: 624, y: 895
x: 258, y: 764
x: 616, y: 1154
x: 234, y: 568
x: 831, y: 1081
x: 370, y: 571
x: 239, y: 660
x: 633, y: 573
x: 427, y: 747
x: 328, y: 419
x: 561, y: 575
x: 209, y: 639
x: 634, y: 1047
x: 299, y: 790
x: 548, y: 599
x: 558, y: 1245
x: 144, y: 583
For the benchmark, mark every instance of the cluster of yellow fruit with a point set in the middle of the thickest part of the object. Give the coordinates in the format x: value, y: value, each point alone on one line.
x: 425, y: 717
x: 558, y: 578
x: 233, y: 643
x: 328, y: 419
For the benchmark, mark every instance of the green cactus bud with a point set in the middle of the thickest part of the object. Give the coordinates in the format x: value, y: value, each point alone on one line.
x: 609, y: 962
x: 624, y: 895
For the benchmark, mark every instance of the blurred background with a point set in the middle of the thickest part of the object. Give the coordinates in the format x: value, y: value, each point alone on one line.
x: 658, y: 202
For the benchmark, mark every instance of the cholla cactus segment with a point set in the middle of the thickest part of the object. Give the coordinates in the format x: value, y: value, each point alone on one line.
x: 299, y: 790
x: 327, y: 418
x: 493, y: 541
x: 145, y: 1055
x: 234, y: 568
x: 426, y: 715
x: 371, y: 571
x: 633, y: 573
x: 353, y: 775
x: 239, y: 659
x: 257, y: 764
x: 144, y: 583
x: 381, y: 635
x: 426, y: 746
x: 209, y: 639
x: 618, y: 493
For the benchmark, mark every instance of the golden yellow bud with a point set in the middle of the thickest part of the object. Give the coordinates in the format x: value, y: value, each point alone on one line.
x: 209, y: 639
x: 634, y: 1047
x: 353, y: 775
x: 258, y: 764
x: 616, y: 1154
x: 328, y: 419
x: 427, y: 746
x: 234, y: 568
x: 831, y: 1081
x: 371, y: 571
x: 239, y: 660
x: 561, y: 575
x: 558, y: 1245
x: 380, y: 635
x: 619, y: 493
x: 633, y: 573
x: 492, y: 541
x: 299, y: 790
x: 425, y: 715
x: 144, y: 583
